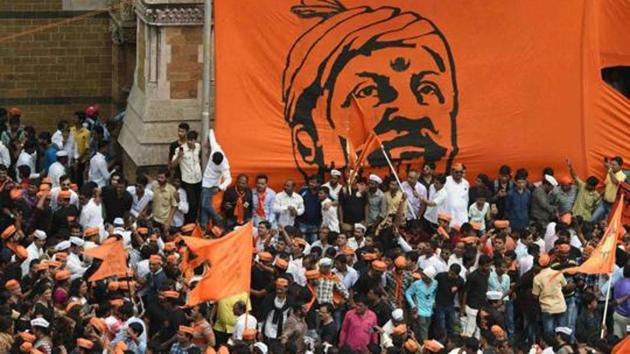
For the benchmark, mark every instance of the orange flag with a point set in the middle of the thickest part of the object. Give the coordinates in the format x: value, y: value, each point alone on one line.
x: 114, y: 259
x: 361, y: 135
x: 622, y: 347
x: 602, y: 259
x: 197, y: 231
x: 230, y: 260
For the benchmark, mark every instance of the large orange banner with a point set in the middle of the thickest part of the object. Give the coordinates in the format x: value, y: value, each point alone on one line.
x: 478, y: 82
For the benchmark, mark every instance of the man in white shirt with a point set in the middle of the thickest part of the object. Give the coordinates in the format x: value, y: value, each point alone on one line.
x: 35, y: 250
x: 415, y: 192
x: 437, y: 202
x: 58, y: 168
x: 140, y: 196
x: 92, y: 210
x: 216, y: 177
x: 358, y: 237
x: 457, y: 189
x: 262, y: 198
x: 349, y: 276
x: 333, y: 185
x: 27, y: 157
x: 188, y: 157
x: 65, y: 141
x: 244, y: 320
x: 99, y: 172
x: 330, y: 216
x: 288, y: 204
x: 74, y: 263
x: 183, y: 206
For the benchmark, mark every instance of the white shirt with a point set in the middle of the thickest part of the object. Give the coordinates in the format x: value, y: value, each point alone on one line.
x: 525, y: 263
x: 55, y: 171
x: 550, y: 236
x: 91, y: 215
x: 334, y: 191
x: 297, y: 271
x: 98, y: 172
x: 433, y: 260
x: 57, y: 139
x: 412, y: 201
x: 182, y: 208
x: 33, y: 253
x: 216, y: 175
x: 190, y: 164
x: 352, y: 243
x: 243, y: 322
x: 330, y: 217
x: 441, y: 199
x: 28, y: 160
x: 349, y: 278
x: 281, y: 207
x: 139, y: 204
x: 68, y: 145
x: 5, y: 156
x: 75, y: 266
x: 457, y: 200
x: 54, y: 196
x: 479, y: 216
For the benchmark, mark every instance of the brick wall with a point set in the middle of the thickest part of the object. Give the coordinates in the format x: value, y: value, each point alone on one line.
x: 52, y: 73
x: 184, y: 68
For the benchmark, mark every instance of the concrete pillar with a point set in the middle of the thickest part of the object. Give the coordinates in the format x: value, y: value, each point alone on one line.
x: 167, y: 86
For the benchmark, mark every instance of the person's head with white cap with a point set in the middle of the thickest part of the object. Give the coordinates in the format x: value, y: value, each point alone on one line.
x: 325, y: 264
x: 373, y: 182
x: 359, y: 231
x: 549, y: 183
x: 335, y: 175
x: 119, y: 222
x: 563, y: 334
x: 76, y: 244
x: 494, y: 298
x: 40, y: 327
x: 63, y: 246
x: 398, y: 316
x: 39, y: 238
x: 428, y: 274
x: 260, y: 348
x: 62, y: 156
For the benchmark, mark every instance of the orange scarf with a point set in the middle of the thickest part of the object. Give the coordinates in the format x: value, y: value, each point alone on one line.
x: 239, y: 210
x: 260, y: 207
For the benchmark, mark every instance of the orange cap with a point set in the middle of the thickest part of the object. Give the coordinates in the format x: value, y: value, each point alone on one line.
x: 64, y: 194
x: 8, y: 232
x: 443, y: 233
x: 265, y: 256
x: 170, y: 294
x: 99, y: 324
x: 565, y: 180
x: 120, y: 348
x: 312, y: 274
x: 186, y: 329
x: 400, y: 262
x: 348, y: 251
x: 116, y: 302
x: 20, y: 252
x: 113, y: 286
x: 142, y: 231
x: 400, y: 330
x: 14, y: 111
x: 458, y: 166
x: 501, y: 224
x: 71, y: 305
x: 411, y: 345
x: 27, y: 337
x: 432, y: 345
x: 91, y: 231
x: 379, y: 266
x: 282, y: 263
x: 62, y: 275
x: 299, y: 242
x: 469, y: 239
x: 498, y: 332
x: 12, y: 284
x: 476, y: 226
x: 85, y: 343
x: 127, y: 285
x: 249, y: 334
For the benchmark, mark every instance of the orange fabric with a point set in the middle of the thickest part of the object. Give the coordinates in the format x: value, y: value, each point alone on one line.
x: 239, y: 209
x: 230, y: 260
x: 114, y: 257
x: 197, y: 231
x: 293, y: 90
x: 622, y: 347
x: 602, y: 259
x: 260, y: 207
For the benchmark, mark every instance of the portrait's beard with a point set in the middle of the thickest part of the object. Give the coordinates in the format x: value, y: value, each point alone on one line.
x: 415, y: 134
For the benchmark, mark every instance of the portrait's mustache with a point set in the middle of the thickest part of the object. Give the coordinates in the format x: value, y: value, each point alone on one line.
x: 399, y: 123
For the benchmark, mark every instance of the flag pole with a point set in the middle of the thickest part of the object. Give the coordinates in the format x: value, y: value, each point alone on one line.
x: 601, y: 335
x: 391, y: 167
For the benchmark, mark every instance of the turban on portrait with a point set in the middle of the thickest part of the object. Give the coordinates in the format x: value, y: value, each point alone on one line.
x: 315, y: 59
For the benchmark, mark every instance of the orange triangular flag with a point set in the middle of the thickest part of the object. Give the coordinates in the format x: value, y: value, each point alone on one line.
x: 114, y: 259
x: 230, y: 261
x: 622, y: 347
x: 602, y: 259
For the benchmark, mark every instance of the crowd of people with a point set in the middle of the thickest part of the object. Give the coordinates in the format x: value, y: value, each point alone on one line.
x: 430, y: 265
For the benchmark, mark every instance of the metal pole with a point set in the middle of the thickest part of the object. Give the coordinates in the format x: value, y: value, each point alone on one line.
x: 207, y: 67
